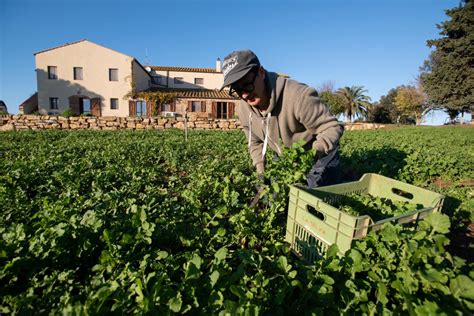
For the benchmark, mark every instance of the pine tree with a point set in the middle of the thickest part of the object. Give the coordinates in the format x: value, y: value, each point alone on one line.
x: 448, y: 75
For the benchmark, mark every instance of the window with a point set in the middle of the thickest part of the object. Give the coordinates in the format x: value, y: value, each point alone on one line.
x: 85, y: 106
x: 141, y: 108
x: 78, y: 73
x: 113, y: 74
x: 198, y: 80
x: 114, y: 104
x: 157, y: 80
x: 53, y: 103
x: 178, y: 80
x: 196, y: 106
x: 166, y: 107
x: 221, y: 110
x: 52, y: 72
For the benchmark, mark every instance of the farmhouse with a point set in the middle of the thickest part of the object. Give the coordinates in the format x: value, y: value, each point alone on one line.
x: 89, y: 79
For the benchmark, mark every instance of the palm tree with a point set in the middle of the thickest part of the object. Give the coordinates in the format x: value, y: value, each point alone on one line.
x: 355, y: 101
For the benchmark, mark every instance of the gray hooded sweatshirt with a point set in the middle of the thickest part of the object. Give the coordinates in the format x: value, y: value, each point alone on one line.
x: 295, y: 113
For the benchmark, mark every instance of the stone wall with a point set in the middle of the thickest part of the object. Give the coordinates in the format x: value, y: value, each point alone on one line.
x: 359, y: 126
x: 38, y: 122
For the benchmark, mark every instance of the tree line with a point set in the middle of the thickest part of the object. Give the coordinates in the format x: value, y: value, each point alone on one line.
x: 445, y: 80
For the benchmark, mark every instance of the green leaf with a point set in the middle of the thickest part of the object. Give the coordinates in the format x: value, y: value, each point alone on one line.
x: 327, y: 279
x: 126, y: 239
x: 283, y: 263
x: 221, y: 232
x: 462, y: 286
x: 214, y: 277
x: 192, y: 268
x: 197, y: 261
x: 427, y: 309
x: 381, y: 293
x: 434, y: 275
x: 238, y: 291
x: 161, y: 255
x: 106, y: 235
x: 292, y: 274
x: 389, y: 233
x: 216, y: 298
x: 438, y: 222
x: 332, y: 251
x: 373, y: 275
x: 175, y: 303
x: 221, y: 254
x: 356, y: 258
x: 419, y: 235
x: 143, y: 215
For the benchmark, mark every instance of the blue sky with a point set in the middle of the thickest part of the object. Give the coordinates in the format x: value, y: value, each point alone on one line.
x: 376, y: 44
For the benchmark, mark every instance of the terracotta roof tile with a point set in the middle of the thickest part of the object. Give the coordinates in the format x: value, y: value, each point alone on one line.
x: 196, y: 93
x: 184, y: 69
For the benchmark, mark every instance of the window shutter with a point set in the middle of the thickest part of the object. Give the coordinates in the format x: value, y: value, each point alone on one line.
x: 158, y: 108
x: 214, y: 109
x: 149, y: 108
x: 203, y: 106
x: 96, y: 107
x: 74, y: 105
x: 190, y: 106
x: 132, y: 108
x: 230, y: 109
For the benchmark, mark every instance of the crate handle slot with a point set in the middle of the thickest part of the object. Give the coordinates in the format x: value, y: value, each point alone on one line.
x: 405, y: 194
x: 315, y: 212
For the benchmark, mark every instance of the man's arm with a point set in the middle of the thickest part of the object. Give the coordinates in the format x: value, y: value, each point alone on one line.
x: 315, y: 116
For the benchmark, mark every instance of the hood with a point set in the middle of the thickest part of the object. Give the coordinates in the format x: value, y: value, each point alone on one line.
x: 275, y: 85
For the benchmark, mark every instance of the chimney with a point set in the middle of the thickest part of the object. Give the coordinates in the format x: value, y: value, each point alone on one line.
x: 218, y: 65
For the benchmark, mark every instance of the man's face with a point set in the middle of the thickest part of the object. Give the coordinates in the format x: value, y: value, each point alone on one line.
x: 251, y: 88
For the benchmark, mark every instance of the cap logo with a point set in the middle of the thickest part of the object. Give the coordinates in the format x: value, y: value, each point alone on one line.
x: 229, y: 64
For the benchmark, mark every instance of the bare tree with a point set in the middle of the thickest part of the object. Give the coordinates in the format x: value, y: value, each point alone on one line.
x: 327, y: 86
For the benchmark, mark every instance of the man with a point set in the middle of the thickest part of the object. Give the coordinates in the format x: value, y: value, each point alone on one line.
x: 275, y: 110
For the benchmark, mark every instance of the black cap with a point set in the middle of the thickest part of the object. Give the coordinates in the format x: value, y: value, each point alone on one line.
x: 237, y: 64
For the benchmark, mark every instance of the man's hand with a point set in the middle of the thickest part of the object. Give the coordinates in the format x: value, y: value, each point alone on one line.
x: 260, y: 189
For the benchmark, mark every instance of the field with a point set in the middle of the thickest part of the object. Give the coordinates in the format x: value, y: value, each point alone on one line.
x: 144, y: 222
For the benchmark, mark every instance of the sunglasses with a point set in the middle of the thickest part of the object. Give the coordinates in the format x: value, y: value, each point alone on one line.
x: 248, y: 86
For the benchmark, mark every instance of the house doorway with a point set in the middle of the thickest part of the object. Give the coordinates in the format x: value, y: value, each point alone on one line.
x: 223, y: 110
x: 83, y: 105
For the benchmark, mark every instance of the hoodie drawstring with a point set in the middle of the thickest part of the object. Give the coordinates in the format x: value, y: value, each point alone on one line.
x: 250, y: 128
x: 265, y: 142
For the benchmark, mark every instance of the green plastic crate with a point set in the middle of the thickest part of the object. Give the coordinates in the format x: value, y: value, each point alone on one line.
x: 314, y: 224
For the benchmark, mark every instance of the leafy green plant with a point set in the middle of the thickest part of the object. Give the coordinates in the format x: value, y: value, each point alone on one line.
x: 67, y: 113
x: 376, y: 207
x: 140, y: 222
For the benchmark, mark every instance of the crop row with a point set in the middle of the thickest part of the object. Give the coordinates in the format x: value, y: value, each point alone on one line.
x: 144, y: 222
